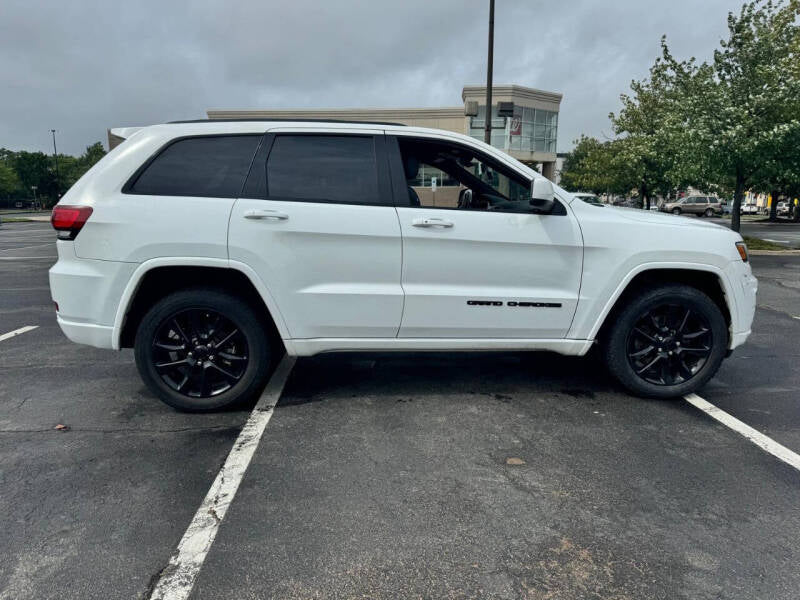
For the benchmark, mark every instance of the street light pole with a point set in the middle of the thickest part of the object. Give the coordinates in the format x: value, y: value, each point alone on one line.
x: 55, y: 155
x: 487, y: 133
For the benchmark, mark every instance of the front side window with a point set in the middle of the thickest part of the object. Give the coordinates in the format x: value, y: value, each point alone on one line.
x: 209, y: 166
x: 465, y: 179
x: 323, y: 168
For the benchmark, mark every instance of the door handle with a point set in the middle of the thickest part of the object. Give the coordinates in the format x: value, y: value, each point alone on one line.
x: 261, y: 213
x: 431, y: 222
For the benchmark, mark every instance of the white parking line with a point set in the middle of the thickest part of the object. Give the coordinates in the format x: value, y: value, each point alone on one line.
x: 17, y: 332
x: 28, y: 257
x: 24, y: 247
x: 177, y: 579
x: 32, y: 236
x: 759, y: 439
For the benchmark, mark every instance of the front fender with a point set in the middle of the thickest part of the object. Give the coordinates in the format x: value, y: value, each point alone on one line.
x: 593, y: 311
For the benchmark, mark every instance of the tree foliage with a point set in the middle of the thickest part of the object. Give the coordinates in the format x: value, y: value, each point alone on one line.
x: 731, y: 123
x: 590, y: 167
x: 20, y: 171
x: 9, y: 182
x: 742, y: 110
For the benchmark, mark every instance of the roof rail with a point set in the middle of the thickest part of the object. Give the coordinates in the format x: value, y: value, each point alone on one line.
x: 286, y: 120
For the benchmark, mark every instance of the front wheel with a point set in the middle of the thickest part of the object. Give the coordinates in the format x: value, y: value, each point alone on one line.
x: 676, y: 211
x: 667, y: 342
x: 202, y: 349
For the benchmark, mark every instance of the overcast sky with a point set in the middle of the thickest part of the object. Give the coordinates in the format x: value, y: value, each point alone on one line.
x: 84, y: 65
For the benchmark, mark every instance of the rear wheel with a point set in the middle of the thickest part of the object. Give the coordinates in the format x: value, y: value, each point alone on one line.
x: 202, y: 349
x: 676, y: 211
x: 709, y: 212
x: 667, y: 342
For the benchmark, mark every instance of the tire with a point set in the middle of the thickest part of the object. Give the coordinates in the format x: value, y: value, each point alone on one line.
x: 709, y: 212
x: 633, y: 332
x: 186, y: 329
x: 676, y: 211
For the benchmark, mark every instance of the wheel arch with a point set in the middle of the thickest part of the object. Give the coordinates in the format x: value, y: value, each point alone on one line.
x: 155, y: 278
x: 706, y: 278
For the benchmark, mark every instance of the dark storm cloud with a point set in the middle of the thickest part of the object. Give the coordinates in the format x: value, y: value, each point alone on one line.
x: 83, y: 66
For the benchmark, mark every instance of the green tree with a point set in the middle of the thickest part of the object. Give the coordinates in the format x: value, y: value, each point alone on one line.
x: 741, y: 112
x: 35, y: 168
x: 592, y: 166
x: 651, y: 135
x: 9, y: 182
x: 85, y: 162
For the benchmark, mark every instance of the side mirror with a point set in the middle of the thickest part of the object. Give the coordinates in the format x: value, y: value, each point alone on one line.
x: 543, y: 197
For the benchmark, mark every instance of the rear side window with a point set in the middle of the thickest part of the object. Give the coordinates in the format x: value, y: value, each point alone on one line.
x: 323, y: 168
x: 213, y: 166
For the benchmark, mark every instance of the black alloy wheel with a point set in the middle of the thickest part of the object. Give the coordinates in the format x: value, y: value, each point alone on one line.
x: 669, y: 344
x: 665, y: 341
x: 199, y: 353
x: 203, y: 349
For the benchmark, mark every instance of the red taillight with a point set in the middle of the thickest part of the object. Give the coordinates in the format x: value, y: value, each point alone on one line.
x: 68, y: 220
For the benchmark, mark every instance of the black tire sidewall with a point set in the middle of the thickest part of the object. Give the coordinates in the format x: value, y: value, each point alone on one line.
x: 239, y: 313
x: 676, y: 211
x: 616, y: 348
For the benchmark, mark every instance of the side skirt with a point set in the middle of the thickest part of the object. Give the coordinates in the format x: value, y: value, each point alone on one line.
x: 309, y: 347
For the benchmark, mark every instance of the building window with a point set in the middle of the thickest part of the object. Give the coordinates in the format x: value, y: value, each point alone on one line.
x: 530, y: 130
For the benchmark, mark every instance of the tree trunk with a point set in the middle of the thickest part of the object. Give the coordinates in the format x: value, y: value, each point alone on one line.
x: 737, y: 202
x: 773, y: 206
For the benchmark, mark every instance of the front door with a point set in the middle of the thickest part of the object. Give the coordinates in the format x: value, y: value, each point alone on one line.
x: 318, y: 226
x: 477, y: 261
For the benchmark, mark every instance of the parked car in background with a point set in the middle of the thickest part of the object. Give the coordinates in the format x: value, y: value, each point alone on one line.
x: 588, y: 198
x: 749, y: 209
x: 727, y: 207
x: 707, y: 206
x: 783, y: 209
x: 628, y: 202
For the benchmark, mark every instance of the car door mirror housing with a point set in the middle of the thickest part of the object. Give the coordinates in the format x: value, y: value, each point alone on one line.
x: 543, y: 197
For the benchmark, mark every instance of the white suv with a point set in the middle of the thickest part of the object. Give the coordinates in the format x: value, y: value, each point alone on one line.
x: 211, y: 247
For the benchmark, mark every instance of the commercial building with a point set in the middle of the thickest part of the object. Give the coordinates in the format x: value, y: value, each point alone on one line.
x: 524, y: 120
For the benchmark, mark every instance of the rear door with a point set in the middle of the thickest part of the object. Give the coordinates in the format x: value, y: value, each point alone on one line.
x: 477, y: 262
x: 317, y: 223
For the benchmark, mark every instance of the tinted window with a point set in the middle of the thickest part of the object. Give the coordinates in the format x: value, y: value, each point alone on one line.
x: 326, y: 168
x: 202, y: 166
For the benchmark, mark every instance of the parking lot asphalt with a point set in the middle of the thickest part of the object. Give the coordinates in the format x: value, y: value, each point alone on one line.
x: 781, y: 232
x: 504, y: 475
